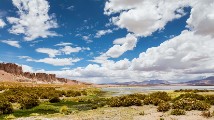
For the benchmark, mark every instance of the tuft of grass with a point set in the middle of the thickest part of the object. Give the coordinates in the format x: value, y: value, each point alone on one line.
x: 206, y: 114
x: 142, y: 113
x: 178, y: 112
x: 34, y: 114
x: 63, y: 109
x: 9, y: 117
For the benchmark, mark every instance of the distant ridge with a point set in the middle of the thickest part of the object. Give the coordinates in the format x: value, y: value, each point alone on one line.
x: 205, y: 81
x: 147, y: 82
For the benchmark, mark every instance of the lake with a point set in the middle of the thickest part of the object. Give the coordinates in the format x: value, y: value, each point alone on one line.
x: 117, y: 91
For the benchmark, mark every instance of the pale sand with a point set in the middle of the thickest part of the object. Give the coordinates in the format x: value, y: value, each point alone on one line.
x: 123, y: 113
x: 6, y: 77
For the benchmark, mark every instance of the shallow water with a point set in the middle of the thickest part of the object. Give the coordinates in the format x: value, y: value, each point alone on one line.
x: 129, y: 90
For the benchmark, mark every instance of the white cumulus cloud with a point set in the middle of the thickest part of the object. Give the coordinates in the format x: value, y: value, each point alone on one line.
x: 143, y: 17
x: 33, y: 20
x: 2, y: 23
x: 49, y: 51
x: 100, y: 33
x: 12, y: 43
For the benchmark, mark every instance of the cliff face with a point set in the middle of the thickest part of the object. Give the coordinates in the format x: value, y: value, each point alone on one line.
x: 17, y: 70
x: 11, y: 68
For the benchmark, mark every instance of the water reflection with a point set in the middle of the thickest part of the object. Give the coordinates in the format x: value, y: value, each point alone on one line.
x: 117, y: 91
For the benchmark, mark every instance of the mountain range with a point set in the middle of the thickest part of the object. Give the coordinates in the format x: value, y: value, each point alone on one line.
x: 205, y: 81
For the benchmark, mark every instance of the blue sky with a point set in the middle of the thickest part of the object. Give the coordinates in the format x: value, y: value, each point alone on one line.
x: 105, y: 41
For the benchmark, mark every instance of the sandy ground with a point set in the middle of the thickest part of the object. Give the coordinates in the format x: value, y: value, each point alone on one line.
x: 5, y: 77
x: 123, y: 113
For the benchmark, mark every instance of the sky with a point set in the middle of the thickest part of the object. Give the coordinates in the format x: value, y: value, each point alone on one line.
x: 106, y: 41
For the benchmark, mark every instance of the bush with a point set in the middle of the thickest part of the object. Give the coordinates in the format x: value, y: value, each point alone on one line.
x: 124, y: 101
x: 161, y: 95
x: 190, y: 104
x: 156, y: 98
x: 142, y: 113
x: 178, y: 112
x: 9, y: 117
x: 6, y: 107
x: 190, y: 95
x: 54, y: 100
x: 150, y: 100
x: 29, y: 103
x: 206, y: 114
x: 209, y: 99
x: 138, y: 96
x: 163, y: 107
x: 192, y: 90
x: 83, y: 92
x: 49, y: 108
x: 63, y: 109
x: 71, y: 93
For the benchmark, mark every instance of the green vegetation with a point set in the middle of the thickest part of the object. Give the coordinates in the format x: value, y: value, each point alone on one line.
x: 190, y: 95
x: 54, y: 100
x: 5, y: 107
x: 64, y: 110
x: 178, y: 112
x: 124, y: 101
x: 163, y: 107
x: 193, y: 90
x: 156, y: 98
x: 25, y: 101
x: 190, y: 104
x: 209, y: 99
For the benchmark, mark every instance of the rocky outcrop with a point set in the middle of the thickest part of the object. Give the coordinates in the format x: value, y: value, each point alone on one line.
x: 11, y: 68
x: 62, y: 80
x: 17, y: 70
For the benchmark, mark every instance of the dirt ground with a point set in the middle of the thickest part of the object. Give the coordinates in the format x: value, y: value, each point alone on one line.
x: 123, y: 113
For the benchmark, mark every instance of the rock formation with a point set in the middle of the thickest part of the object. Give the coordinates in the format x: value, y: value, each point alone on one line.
x: 11, y: 68
x: 17, y: 70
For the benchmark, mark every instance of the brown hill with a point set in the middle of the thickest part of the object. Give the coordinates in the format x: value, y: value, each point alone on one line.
x: 11, y: 73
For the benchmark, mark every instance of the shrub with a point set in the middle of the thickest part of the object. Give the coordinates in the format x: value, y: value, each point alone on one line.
x: 71, y: 93
x: 178, y: 112
x: 63, y: 109
x: 206, y: 114
x: 190, y: 95
x: 48, y: 108
x: 94, y: 107
x: 150, y: 100
x: 163, y: 107
x: 156, y: 98
x: 209, y: 99
x: 124, y: 101
x: 29, y: 103
x: 9, y: 117
x: 190, y: 104
x: 6, y: 107
x: 161, y: 95
x: 137, y: 95
x: 83, y: 92
x: 54, y: 100
x: 142, y: 113
x: 192, y: 90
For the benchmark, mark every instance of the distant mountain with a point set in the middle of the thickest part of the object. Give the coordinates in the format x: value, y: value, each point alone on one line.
x: 205, y: 81
x: 147, y: 82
